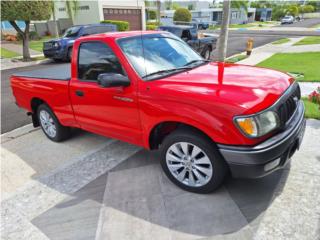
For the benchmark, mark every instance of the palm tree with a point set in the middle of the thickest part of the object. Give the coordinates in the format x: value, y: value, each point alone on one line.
x: 222, y: 45
x: 53, y: 10
x: 72, y: 7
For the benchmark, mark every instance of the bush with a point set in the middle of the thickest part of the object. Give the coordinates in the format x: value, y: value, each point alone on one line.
x: 182, y: 15
x: 121, y: 25
x: 152, y: 14
x: 151, y: 27
x: 32, y: 36
x: 9, y: 37
x: 315, y: 96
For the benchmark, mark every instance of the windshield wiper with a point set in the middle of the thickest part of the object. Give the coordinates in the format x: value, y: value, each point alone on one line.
x: 167, y: 71
x: 195, y: 61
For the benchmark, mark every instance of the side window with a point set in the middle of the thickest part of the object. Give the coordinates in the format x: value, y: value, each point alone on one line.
x: 95, y: 58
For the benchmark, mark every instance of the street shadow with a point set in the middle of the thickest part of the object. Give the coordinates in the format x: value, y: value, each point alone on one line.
x: 139, y: 190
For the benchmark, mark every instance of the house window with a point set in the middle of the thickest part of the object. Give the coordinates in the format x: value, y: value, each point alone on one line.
x: 234, y: 15
x: 62, y: 9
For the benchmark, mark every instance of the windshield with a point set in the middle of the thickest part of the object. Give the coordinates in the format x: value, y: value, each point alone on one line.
x: 71, y: 32
x: 158, y: 55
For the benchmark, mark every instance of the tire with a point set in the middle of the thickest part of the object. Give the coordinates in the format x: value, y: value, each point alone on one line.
x: 206, y: 53
x: 69, y: 54
x: 208, y: 160
x: 50, y: 125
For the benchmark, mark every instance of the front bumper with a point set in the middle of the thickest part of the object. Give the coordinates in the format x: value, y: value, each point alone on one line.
x: 268, y: 156
x: 54, y: 53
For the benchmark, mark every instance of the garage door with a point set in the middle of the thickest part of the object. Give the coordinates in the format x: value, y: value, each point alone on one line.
x: 133, y: 16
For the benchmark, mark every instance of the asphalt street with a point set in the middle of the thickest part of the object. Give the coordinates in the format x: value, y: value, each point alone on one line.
x: 12, y: 117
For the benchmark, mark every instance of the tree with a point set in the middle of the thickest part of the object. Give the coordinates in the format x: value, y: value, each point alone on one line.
x: 53, y: 11
x: 72, y: 7
x: 222, y: 46
x: 306, y: 9
x: 26, y: 11
x: 190, y: 7
x: 175, y: 6
x: 152, y: 14
x: 293, y: 10
x: 182, y: 15
x: 240, y: 4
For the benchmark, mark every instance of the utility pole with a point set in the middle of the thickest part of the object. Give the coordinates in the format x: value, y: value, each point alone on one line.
x: 223, y: 39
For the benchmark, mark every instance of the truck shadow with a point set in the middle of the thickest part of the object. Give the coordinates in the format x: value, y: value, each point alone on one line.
x: 136, y: 197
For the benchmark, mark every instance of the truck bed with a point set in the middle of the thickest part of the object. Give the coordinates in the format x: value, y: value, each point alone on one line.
x: 53, y: 72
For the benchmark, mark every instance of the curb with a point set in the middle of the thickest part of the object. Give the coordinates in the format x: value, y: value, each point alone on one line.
x: 18, y: 132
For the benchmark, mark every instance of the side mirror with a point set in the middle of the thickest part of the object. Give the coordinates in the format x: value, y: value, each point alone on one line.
x: 108, y: 80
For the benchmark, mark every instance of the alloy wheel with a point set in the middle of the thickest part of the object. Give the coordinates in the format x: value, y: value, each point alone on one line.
x: 47, y: 123
x: 189, y: 164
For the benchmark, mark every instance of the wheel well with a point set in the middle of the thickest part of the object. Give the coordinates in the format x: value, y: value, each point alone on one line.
x: 163, y: 129
x: 35, y: 103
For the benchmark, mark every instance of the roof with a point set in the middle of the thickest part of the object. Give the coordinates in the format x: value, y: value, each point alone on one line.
x: 116, y: 35
x: 177, y: 26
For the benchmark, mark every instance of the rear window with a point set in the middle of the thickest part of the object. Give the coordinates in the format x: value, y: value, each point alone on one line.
x: 97, y: 29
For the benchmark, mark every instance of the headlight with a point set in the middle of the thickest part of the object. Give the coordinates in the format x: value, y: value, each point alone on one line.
x: 259, y: 124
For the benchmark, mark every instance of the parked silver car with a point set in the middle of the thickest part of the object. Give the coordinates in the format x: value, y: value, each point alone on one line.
x: 287, y: 20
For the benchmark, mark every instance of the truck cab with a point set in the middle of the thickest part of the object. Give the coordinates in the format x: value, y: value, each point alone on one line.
x: 204, y: 45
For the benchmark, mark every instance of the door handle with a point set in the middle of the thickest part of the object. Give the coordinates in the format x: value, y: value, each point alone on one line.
x: 79, y: 93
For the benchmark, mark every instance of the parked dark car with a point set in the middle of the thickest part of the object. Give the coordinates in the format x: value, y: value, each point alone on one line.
x: 200, y: 24
x: 189, y: 34
x: 61, y: 48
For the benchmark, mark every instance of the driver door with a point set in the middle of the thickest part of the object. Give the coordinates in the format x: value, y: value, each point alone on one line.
x: 110, y: 111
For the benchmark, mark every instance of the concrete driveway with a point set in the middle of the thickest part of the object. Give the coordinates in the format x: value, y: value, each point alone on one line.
x: 99, y: 188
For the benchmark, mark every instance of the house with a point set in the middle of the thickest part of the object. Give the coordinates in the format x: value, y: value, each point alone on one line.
x: 214, y: 15
x: 263, y: 14
x: 93, y: 12
x: 96, y: 11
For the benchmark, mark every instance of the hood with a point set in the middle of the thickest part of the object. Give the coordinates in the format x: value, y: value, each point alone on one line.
x: 63, y: 39
x: 250, y: 88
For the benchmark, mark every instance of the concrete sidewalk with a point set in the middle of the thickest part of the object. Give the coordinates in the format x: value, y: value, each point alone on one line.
x: 17, y: 48
x: 262, y: 53
x: 91, y: 187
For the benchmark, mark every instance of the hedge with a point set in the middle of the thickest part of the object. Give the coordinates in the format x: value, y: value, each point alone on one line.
x: 182, y: 15
x: 152, y: 27
x: 121, y: 25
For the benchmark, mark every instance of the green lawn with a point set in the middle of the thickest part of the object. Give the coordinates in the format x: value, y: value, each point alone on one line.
x: 8, y: 54
x: 236, y: 58
x: 309, y: 40
x: 37, y: 45
x: 281, y: 41
x: 316, y: 26
x: 306, y: 63
x: 312, y: 109
x: 241, y: 25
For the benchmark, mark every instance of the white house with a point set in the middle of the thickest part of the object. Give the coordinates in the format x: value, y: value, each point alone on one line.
x: 94, y: 11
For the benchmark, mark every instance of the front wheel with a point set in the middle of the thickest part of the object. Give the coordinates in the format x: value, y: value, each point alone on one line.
x: 207, y: 54
x: 50, y: 125
x: 192, y: 162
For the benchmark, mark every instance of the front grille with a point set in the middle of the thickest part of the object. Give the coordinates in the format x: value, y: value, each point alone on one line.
x: 289, y: 105
x: 47, y: 45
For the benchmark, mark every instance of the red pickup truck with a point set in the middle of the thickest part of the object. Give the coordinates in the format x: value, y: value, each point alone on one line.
x: 151, y: 89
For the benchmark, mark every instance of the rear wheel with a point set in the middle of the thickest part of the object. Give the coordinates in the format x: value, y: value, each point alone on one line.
x: 50, y: 124
x: 192, y: 162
